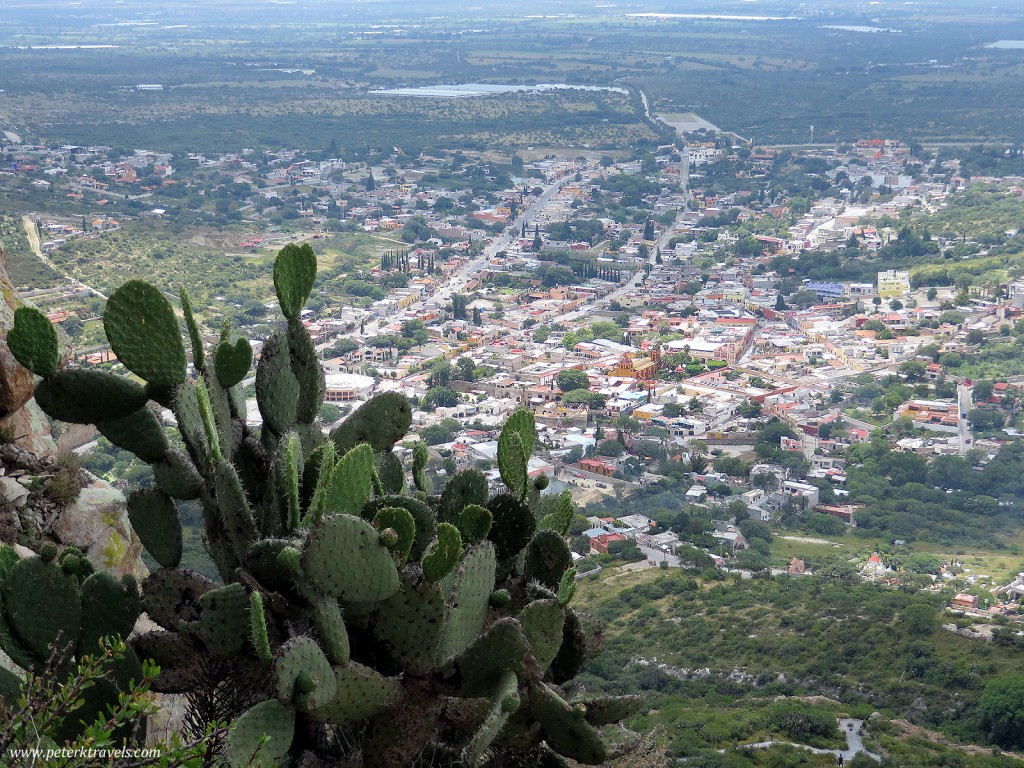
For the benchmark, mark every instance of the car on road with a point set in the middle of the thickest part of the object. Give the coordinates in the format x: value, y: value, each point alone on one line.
x: 601, y: 485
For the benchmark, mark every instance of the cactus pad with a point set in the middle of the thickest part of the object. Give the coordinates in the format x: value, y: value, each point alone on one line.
x: 604, y: 710
x: 426, y: 527
x: 547, y: 558
x: 196, y: 338
x: 410, y: 623
x: 567, y: 587
x: 475, y: 522
x: 561, y: 519
x: 330, y: 626
x: 177, y: 476
x: 143, y: 332
x: 381, y: 421
x: 420, y: 457
x: 464, y: 488
x: 343, y: 558
x: 302, y: 675
x: 467, y: 594
x: 40, y: 601
x: 294, y: 275
x: 139, y: 432
x: 109, y: 607
x: 512, y: 527
x: 258, y: 625
x: 542, y: 622
x: 565, y: 729
x: 360, y: 693
x: 155, y: 519
x: 277, y: 389
x: 390, y: 472
x: 233, y: 362
x: 401, y: 522
x: 223, y: 624
x: 307, y: 371
x: 33, y: 341
x: 189, y: 415
x: 515, y: 445
x: 268, y: 722
x: 287, y: 471
x: 444, y: 554
x: 581, y: 641
x: 351, y: 482
x: 262, y: 561
x: 500, y: 649
x: 80, y: 396
x: 236, y: 514
x: 171, y: 595
x: 174, y: 654
x: 504, y: 702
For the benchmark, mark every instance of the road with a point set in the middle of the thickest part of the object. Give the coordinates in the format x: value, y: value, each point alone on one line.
x: 32, y: 235
x: 854, y: 743
x: 965, y: 401
x: 629, y: 285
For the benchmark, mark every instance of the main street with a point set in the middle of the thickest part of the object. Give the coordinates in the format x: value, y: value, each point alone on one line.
x: 629, y: 285
x: 460, y: 279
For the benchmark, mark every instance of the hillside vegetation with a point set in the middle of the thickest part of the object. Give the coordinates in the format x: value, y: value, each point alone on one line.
x: 723, y: 660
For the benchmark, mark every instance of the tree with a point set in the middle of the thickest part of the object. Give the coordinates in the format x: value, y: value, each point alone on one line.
x: 673, y: 410
x: 570, y: 379
x: 649, y: 230
x: 541, y: 333
x: 913, y: 370
x: 1002, y: 710
x: 804, y: 299
x: 465, y: 369
x: 329, y: 413
x: 72, y: 326
x: 920, y: 619
x: 922, y: 562
x: 440, y: 397
x: 435, y: 434
x: 951, y: 360
x: 983, y: 390
x: 610, y: 448
x: 440, y: 374
x: 985, y: 419
x: 371, y: 183
x: 459, y: 302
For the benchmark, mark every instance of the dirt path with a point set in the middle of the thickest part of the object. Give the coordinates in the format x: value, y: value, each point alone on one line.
x: 809, y: 540
x: 909, y: 729
x: 32, y: 235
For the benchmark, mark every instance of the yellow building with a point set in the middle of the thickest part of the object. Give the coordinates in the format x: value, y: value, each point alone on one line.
x: 893, y: 284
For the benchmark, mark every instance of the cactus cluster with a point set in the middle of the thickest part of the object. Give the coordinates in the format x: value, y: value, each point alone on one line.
x: 57, y: 609
x: 423, y: 623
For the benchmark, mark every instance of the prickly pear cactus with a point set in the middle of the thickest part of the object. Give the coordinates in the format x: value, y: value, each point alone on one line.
x: 426, y: 624
x: 50, y: 603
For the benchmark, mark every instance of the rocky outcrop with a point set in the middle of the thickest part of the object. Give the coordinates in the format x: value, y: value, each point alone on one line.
x: 16, y: 383
x: 38, y: 502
